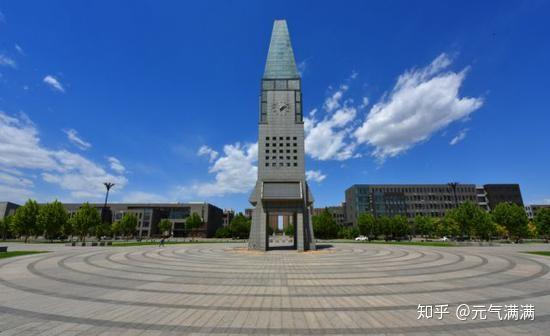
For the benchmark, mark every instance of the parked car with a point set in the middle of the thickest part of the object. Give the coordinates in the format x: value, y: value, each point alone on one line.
x: 444, y: 239
x: 361, y: 238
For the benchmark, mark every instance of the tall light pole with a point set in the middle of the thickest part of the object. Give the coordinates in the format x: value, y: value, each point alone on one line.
x: 453, y: 186
x: 108, y: 186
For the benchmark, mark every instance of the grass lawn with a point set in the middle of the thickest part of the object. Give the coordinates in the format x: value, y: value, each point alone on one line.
x: 10, y: 254
x: 415, y: 243
x: 542, y: 253
x: 134, y: 243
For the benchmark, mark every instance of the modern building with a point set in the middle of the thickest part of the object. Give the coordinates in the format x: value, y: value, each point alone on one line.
x: 408, y: 200
x: 228, y: 215
x: 248, y: 212
x: 281, y: 187
x: 501, y: 193
x: 7, y: 209
x: 338, y: 212
x: 481, y: 196
x: 150, y: 214
x: 534, y: 209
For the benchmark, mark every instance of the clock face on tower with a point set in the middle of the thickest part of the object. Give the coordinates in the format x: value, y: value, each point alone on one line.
x: 280, y: 108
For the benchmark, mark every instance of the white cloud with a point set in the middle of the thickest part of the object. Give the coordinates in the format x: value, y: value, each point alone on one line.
x: 19, y: 49
x: 54, y: 83
x: 302, y: 66
x: 207, y: 151
x: 459, y: 137
x: 72, y: 135
x: 14, y: 180
x: 22, y: 155
x: 116, y: 165
x: 333, y: 101
x: 235, y: 172
x: 144, y: 197
x: 422, y: 102
x: 329, y: 137
x: 7, y: 61
x: 364, y: 103
x: 315, y: 175
x: 15, y: 194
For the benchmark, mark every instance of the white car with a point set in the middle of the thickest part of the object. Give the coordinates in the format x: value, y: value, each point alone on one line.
x: 444, y: 239
x: 361, y: 238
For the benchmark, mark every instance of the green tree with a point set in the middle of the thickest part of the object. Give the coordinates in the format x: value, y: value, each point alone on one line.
x: 400, y: 227
x: 240, y: 226
x: 165, y: 227
x: 51, y: 218
x: 193, y: 222
x: 368, y: 225
x: 268, y: 229
x: 447, y: 227
x: 513, y: 218
x: 385, y: 226
x: 542, y: 220
x: 424, y: 225
x: 464, y: 216
x: 348, y: 232
x: 102, y: 229
x: 24, y: 221
x: 5, y: 226
x: 483, y: 225
x: 324, y: 226
x: 223, y: 232
x: 289, y: 230
x: 86, y: 218
x: 127, y: 225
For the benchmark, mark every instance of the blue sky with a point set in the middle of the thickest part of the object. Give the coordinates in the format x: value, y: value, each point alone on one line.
x: 161, y: 98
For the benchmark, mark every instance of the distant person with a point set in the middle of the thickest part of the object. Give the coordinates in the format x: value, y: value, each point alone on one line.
x: 161, y: 242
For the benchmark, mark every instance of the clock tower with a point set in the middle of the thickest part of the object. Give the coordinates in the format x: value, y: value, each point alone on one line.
x: 281, y: 188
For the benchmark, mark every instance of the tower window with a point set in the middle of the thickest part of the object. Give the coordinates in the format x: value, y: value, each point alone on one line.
x: 267, y: 150
x: 295, y: 158
x: 295, y: 164
x: 288, y: 138
x: 267, y: 164
x: 267, y: 157
x: 295, y: 144
x: 280, y: 138
x: 267, y: 138
x: 293, y: 138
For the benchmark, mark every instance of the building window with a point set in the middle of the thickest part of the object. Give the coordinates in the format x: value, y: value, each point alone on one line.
x: 267, y: 138
x: 267, y: 164
x: 295, y: 164
x: 295, y: 144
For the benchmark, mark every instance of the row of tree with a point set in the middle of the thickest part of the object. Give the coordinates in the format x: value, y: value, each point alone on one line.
x: 52, y: 221
x: 239, y: 228
x: 466, y: 221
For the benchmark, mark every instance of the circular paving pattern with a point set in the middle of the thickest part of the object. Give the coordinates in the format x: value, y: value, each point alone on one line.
x: 225, y: 289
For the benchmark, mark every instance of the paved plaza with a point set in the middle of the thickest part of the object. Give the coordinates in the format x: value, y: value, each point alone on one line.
x: 225, y: 289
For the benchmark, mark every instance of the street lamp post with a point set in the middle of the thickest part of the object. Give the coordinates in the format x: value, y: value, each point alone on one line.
x: 453, y: 186
x: 108, y: 186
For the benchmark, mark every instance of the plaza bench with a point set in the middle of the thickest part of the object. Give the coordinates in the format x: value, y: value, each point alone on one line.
x: 4, y: 249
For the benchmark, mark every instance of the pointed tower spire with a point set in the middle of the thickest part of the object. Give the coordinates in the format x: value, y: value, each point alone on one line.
x: 280, y: 57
